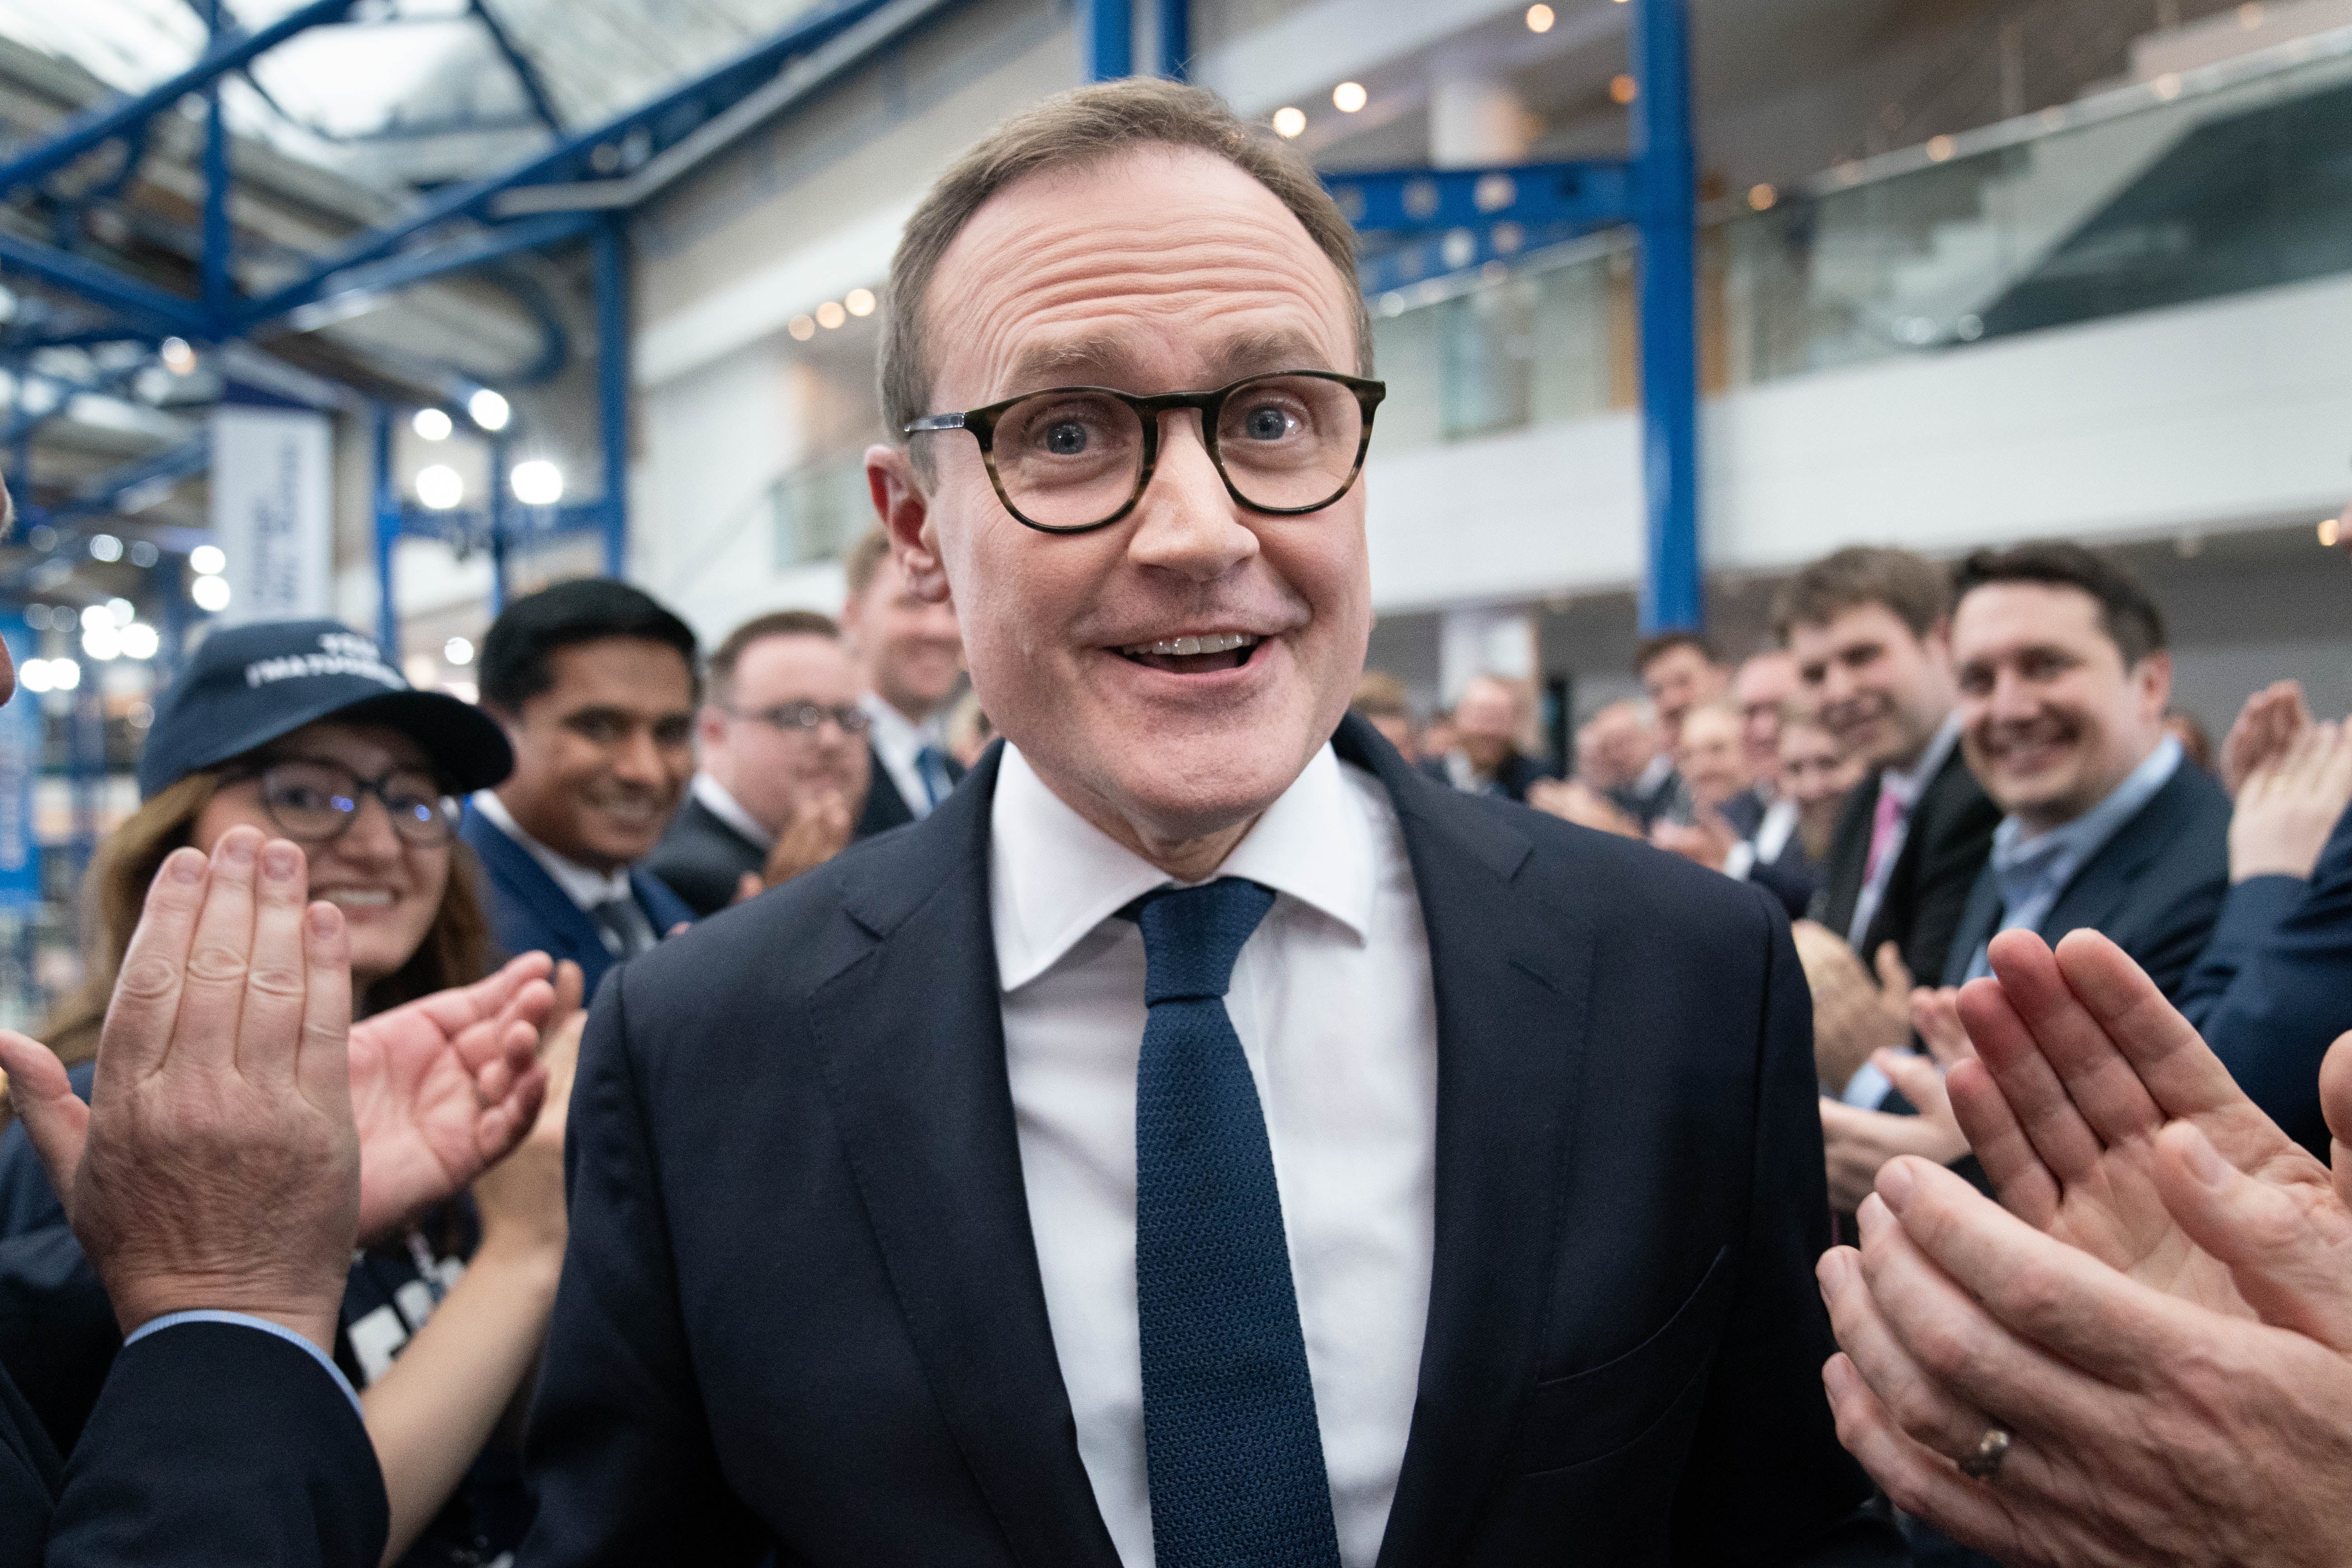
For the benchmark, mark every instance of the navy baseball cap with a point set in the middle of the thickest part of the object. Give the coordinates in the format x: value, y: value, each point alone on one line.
x: 248, y: 685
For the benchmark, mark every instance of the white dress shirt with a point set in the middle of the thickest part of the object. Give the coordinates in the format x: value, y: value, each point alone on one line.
x: 897, y: 740
x: 1333, y: 1002
x: 728, y: 810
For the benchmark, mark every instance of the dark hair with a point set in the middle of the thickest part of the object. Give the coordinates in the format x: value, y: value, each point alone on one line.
x: 525, y: 636
x: 1656, y: 648
x: 2126, y: 613
x: 1914, y: 588
x: 774, y: 624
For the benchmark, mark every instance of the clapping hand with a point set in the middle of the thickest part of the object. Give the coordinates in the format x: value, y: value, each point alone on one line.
x: 2271, y: 721
x: 2289, y: 804
x: 819, y: 830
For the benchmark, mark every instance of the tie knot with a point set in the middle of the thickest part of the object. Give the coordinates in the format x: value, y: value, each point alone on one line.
x: 1193, y: 935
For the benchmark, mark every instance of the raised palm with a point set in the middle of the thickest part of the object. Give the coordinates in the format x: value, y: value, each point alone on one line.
x: 2081, y: 1063
x: 445, y: 1085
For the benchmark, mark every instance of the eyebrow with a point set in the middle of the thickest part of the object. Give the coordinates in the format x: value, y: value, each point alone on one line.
x: 1111, y: 361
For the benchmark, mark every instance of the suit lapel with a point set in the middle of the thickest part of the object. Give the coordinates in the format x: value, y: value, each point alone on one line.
x: 912, y: 1038
x: 528, y: 881
x: 884, y: 807
x: 1977, y: 923
x: 2100, y: 888
x: 1513, y: 980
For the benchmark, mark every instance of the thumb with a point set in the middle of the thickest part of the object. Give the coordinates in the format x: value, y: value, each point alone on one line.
x: 54, y: 1116
x: 1894, y: 975
x: 1919, y: 1081
x: 2335, y: 1104
x: 747, y: 886
x: 2285, y: 1254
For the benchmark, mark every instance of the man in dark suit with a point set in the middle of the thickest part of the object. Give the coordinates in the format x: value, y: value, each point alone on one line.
x: 595, y: 684
x: 214, y: 1182
x: 1488, y: 718
x: 910, y: 656
x: 1203, y: 1137
x: 783, y: 772
x: 2063, y: 681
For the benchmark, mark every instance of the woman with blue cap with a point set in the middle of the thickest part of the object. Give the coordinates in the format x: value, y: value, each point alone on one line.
x: 301, y: 727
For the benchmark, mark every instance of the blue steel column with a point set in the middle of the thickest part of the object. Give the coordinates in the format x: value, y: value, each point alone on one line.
x: 387, y: 535
x: 1176, y: 39
x: 1105, y: 39
x: 612, y: 385
x: 1665, y: 178
x: 219, y: 294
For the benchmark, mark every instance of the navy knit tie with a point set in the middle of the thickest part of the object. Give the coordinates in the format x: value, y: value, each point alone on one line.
x: 1236, y: 1458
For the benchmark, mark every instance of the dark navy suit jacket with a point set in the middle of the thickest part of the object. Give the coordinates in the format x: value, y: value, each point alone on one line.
x: 531, y: 913
x: 886, y: 808
x: 2274, y: 987
x: 802, y: 1312
x: 212, y: 1444
x: 2154, y: 889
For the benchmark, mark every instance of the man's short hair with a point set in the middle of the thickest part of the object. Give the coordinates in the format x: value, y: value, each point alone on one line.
x: 864, y: 562
x: 1379, y: 695
x: 1656, y: 648
x: 1078, y: 130
x: 1914, y: 588
x: 518, y: 654
x: 774, y: 624
x: 2126, y: 613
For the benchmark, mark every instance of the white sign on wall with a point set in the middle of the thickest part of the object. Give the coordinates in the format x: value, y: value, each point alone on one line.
x: 273, y: 511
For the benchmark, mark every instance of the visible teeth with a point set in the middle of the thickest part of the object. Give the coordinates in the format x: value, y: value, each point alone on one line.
x: 1215, y: 642
x: 358, y: 898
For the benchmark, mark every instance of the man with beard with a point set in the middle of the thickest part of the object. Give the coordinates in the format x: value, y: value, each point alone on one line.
x: 2064, y: 680
x: 595, y: 684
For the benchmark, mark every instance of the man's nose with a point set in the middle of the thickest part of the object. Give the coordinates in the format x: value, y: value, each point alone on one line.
x: 638, y: 758
x: 1186, y: 521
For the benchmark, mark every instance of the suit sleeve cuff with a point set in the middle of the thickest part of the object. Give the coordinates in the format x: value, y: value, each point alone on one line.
x: 172, y: 1319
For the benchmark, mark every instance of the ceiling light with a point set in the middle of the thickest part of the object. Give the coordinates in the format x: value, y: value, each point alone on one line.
x: 1761, y: 197
x: 145, y: 553
x: 177, y: 356
x: 1350, y: 97
x: 210, y: 594
x: 139, y: 641
x: 440, y: 487
x: 1938, y: 148
x: 537, y: 483
x: 458, y: 650
x: 2331, y: 530
x: 802, y: 328
x: 432, y: 424
x: 1540, y: 19
x: 34, y: 676
x: 64, y: 675
x: 830, y: 314
x: 489, y: 410
x: 101, y: 642
x: 207, y: 561
x: 1289, y: 121
x: 1622, y: 89
x: 105, y: 547
x: 121, y: 612
x: 860, y: 301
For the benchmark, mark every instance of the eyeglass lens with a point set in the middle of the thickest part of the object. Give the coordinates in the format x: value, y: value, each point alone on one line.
x: 852, y: 718
x: 1069, y: 458
x: 313, y: 801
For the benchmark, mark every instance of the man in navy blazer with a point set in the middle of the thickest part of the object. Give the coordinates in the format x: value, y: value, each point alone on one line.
x: 2063, y: 681
x: 1203, y: 1139
x: 595, y: 684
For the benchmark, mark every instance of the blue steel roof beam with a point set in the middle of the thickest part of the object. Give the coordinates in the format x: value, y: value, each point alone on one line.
x: 90, y: 130
x: 142, y: 305
x: 342, y: 294
x: 1416, y: 200
x: 105, y: 492
x: 667, y: 119
x: 525, y: 72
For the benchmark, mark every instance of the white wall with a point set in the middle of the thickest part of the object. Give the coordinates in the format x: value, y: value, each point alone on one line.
x: 2209, y: 417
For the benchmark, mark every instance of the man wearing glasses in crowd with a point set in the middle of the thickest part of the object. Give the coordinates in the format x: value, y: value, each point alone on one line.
x: 1203, y: 1139
x: 784, y: 767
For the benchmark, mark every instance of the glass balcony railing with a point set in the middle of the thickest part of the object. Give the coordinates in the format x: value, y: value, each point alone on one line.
x: 819, y: 509
x: 2234, y: 177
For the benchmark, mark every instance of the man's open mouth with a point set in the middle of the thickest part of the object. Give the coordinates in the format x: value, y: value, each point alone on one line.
x: 1201, y: 655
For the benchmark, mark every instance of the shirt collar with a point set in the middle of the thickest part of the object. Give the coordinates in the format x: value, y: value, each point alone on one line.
x: 1053, y: 877
x: 894, y: 734
x: 583, y: 884
x: 1651, y: 777
x: 728, y: 810
x: 2072, y: 843
x: 1906, y: 785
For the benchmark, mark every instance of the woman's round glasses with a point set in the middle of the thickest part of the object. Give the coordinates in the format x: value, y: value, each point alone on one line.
x: 314, y: 802
x: 1070, y: 458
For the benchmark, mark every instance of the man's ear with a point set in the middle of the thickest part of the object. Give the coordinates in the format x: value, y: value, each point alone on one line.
x: 906, y: 513
x: 2154, y: 677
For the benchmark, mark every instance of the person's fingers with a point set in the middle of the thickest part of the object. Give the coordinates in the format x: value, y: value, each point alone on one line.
x: 322, y: 1071
x: 1926, y: 1410
x: 454, y: 1008
x: 2335, y: 1105
x: 2090, y: 1318
x: 1936, y: 1019
x: 571, y: 988
x: 138, y: 1030
x: 1919, y: 1081
x: 212, y: 997
x: 2036, y: 1097
x: 532, y: 1006
x: 2025, y: 1186
x: 2281, y: 1250
x: 749, y: 886
x: 275, y: 1009
x: 2161, y: 1050
x: 54, y: 1117
x: 1915, y: 1478
x: 1893, y: 974
x: 505, y: 1123
x: 2079, y: 1044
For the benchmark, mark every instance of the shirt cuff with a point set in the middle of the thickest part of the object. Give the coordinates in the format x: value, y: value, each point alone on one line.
x: 1741, y: 861
x: 1868, y: 1087
x: 173, y: 1319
